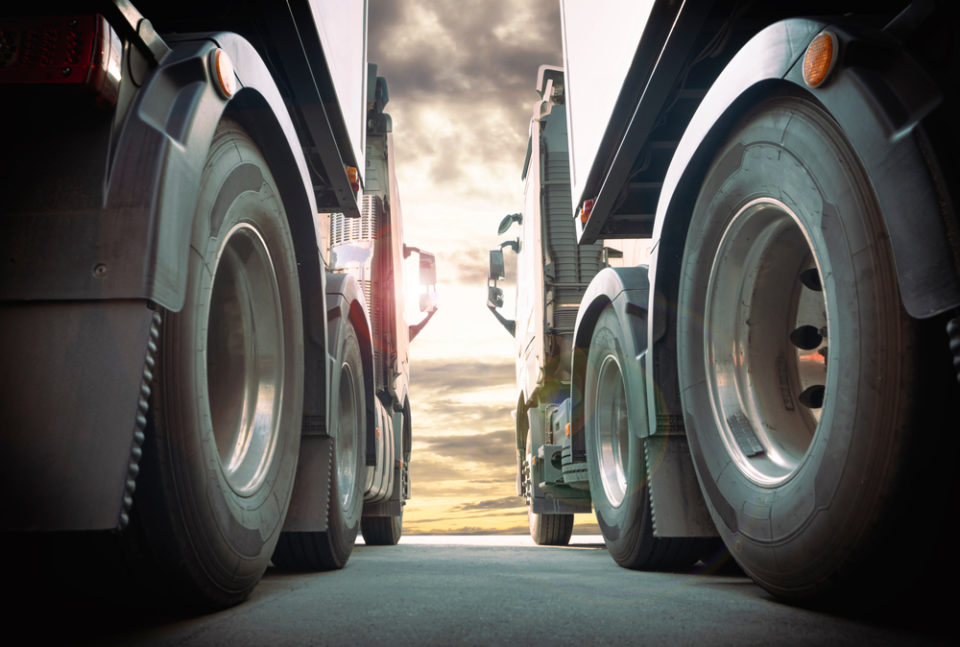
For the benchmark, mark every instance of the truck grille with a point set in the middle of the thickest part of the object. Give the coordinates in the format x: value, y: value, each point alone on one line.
x: 368, y: 227
x: 348, y: 230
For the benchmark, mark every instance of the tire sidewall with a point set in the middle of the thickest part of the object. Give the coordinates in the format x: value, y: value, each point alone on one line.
x: 788, y: 151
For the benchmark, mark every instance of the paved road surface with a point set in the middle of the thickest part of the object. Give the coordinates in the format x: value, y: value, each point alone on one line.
x: 461, y: 591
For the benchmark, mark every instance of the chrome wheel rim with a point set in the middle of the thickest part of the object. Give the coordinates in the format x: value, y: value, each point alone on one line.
x: 766, y: 327
x: 245, y: 358
x: 611, y: 430
x: 349, y: 427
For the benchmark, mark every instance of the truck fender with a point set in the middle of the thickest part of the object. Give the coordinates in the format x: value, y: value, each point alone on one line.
x: 879, y: 96
x: 675, y: 498
x: 346, y: 306
x: 163, y: 144
x: 626, y: 290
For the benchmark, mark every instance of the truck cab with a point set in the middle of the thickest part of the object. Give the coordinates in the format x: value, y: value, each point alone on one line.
x: 552, y: 275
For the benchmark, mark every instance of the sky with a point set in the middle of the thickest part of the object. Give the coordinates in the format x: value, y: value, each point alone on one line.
x: 461, y: 78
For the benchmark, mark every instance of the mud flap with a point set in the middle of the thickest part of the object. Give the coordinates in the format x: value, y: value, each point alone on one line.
x: 677, y: 504
x: 309, y: 504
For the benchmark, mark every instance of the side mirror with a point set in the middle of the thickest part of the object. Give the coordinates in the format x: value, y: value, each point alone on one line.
x: 428, y: 282
x: 497, y: 270
x: 494, y: 293
x: 427, y: 278
x: 507, y: 221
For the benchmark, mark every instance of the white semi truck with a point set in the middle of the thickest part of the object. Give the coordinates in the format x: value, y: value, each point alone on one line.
x: 777, y: 372
x: 202, y: 329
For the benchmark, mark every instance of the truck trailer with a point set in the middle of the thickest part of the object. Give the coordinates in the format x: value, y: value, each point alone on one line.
x: 778, y: 367
x: 202, y: 327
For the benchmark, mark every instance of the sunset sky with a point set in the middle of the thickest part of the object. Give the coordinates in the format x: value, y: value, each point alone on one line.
x: 461, y: 77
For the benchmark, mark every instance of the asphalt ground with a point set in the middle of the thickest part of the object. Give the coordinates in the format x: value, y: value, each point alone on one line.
x: 438, y: 590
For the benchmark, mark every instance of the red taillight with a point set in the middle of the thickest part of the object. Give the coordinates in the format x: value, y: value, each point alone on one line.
x: 73, y: 50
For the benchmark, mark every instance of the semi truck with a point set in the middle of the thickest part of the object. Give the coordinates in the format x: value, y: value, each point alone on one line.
x: 202, y: 328
x: 777, y: 367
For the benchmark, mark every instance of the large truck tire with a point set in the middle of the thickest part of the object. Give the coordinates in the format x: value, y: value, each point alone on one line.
x: 223, y: 433
x: 804, y: 384
x: 382, y: 531
x: 616, y: 462
x: 330, y: 549
x: 550, y: 529
x: 545, y: 529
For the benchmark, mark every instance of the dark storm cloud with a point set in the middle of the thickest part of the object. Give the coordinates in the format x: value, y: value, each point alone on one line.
x: 471, y: 51
x: 471, y: 66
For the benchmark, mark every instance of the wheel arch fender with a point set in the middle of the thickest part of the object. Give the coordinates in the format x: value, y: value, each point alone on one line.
x: 879, y: 103
x: 627, y: 291
x: 346, y: 306
x: 158, y: 158
x: 879, y: 96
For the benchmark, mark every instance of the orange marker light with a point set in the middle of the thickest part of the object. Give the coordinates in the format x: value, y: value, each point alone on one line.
x: 353, y: 177
x: 568, y: 428
x: 586, y: 210
x: 223, y: 73
x: 819, y: 60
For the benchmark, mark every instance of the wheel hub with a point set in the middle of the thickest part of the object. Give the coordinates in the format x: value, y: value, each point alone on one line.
x: 245, y: 358
x: 347, y: 431
x: 765, y: 341
x: 612, y: 430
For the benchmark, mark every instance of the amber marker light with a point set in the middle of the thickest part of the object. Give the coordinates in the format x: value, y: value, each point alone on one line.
x: 223, y: 73
x: 586, y: 210
x: 820, y: 58
x: 353, y: 177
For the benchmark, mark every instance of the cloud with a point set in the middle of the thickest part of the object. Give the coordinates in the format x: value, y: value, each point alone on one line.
x: 469, y: 264
x: 471, y: 52
x: 510, y: 502
x: 487, y: 444
x: 455, y: 376
x: 461, y: 78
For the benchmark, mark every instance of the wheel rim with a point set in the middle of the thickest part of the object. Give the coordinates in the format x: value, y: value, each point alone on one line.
x: 245, y: 358
x: 765, y: 341
x: 349, y: 427
x: 611, y: 430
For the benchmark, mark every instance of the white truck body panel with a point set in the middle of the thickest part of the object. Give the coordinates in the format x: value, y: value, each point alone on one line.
x: 530, y: 262
x: 342, y: 27
x: 600, y: 40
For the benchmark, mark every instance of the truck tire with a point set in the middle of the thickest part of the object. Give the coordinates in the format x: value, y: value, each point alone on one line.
x: 546, y: 529
x: 382, y: 531
x: 330, y: 549
x: 616, y: 462
x: 223, y: 434
x: 806, y: 457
